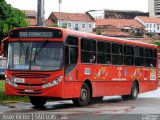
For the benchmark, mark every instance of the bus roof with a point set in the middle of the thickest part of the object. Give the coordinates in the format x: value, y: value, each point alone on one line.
x: 94, y: 36
x: 111, y: 39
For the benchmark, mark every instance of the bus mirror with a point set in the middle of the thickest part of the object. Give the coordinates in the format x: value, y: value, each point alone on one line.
x: 4, y: 47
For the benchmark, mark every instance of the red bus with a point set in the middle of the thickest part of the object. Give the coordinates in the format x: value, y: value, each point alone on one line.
x: 57, y: 63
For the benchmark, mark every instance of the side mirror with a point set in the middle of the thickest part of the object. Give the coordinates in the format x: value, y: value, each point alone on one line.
x: 3, y: 49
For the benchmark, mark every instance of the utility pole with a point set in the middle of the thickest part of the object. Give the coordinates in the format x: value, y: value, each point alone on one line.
x: 60, y: 1
x: 40, y: 13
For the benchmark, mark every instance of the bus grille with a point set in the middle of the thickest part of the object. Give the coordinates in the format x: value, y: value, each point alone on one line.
x: 30, y: 75
x: 25, y: 84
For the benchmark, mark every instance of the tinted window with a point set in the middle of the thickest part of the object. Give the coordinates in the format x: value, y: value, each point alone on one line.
x: 139, y: 58
x: 103, y: 52
x: 117, y: 54
x: 71, y: 53
x: 150, y: 57
x: 88, y: 51
x: 128, y: 55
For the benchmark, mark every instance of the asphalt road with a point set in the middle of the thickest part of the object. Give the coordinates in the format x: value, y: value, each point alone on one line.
x: 146, y: 107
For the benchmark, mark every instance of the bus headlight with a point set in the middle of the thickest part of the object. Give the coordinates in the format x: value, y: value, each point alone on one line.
x: 11, y: 83
x: 53, y: 83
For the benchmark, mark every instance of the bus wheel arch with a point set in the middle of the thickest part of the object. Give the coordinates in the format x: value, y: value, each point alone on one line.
x: 134, y: 91
x: 85, y: 94
x: 137, y: 83
x: 88, y: 82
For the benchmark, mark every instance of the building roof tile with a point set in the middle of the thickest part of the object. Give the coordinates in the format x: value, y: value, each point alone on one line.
x: 120, y: 23
x: 33, y: 22
x: 149, y: 19
x: 30, y: 13
x: 72, y: 16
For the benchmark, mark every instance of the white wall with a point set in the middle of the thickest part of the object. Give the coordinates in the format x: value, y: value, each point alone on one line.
x: 153, y: 7
x: 97, y: 14
x: 73, y: 23
x: 150, y: 27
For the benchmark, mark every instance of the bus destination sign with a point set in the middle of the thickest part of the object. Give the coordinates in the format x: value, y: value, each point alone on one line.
x: 35, y: 33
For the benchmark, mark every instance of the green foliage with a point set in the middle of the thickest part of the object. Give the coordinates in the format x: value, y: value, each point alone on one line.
x: 156, y: 43
x: 10, y: 18
x: 98, y: 32
x: 8, y: 99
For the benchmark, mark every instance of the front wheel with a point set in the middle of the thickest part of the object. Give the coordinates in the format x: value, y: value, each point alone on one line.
x: 38, y: 102
x: 134, y: 93
x: 85, y: 96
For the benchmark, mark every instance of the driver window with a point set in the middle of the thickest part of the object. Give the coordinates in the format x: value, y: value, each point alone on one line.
x: 71, y: 53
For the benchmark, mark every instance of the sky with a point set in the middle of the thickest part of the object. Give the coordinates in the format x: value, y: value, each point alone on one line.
x: 81, y: 6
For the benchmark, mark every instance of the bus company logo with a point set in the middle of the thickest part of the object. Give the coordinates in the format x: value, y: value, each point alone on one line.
x: 119, y: 71
x: 125, y: 71
x: 87, y: 71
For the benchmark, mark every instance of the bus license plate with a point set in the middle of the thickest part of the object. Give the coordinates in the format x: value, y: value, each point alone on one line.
x: 19, y: 80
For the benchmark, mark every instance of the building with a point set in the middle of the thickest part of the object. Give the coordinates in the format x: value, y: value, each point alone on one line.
x: 73, y: 21
x: 30, y: 13
x: 32, y: 18
x: 152, y: 25
x: 97, y: 14
x: 154, y: 8
x: 115, y: 14
x: 119, y: 27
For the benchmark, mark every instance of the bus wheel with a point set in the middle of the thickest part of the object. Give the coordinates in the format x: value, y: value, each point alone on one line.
x: 38, y: 102
x: 85, y: 96
x: 134, y: 93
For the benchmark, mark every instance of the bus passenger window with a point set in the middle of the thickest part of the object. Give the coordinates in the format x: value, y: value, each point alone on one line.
x: 88, y: 50
x: 139, y: 56
x: 150, y: 57
x: 104, y: 56
x: 93, y: 59
x: 128, y: 55
x: 117, y: 54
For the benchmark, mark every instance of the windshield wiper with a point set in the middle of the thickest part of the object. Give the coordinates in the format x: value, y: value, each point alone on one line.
x: 40, y: 49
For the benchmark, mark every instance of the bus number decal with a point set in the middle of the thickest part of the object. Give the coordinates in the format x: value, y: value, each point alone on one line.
x: 87, y: 71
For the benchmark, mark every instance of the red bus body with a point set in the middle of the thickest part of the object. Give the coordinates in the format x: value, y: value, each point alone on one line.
x: 102, y: 79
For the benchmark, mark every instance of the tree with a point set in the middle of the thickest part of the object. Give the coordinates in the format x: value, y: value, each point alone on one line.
x: 156, y: 43
x: 98, y: 32
x: 10, y: 18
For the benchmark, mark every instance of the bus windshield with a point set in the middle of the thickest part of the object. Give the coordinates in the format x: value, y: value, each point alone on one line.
x: 35, y: 56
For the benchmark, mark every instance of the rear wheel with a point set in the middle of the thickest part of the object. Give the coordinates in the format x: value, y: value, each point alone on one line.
x: 85, y: 96
x: 38, y: 102
x: 134, y: 92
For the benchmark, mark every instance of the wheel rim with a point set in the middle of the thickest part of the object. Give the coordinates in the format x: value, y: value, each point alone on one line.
x: 84, y: 94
